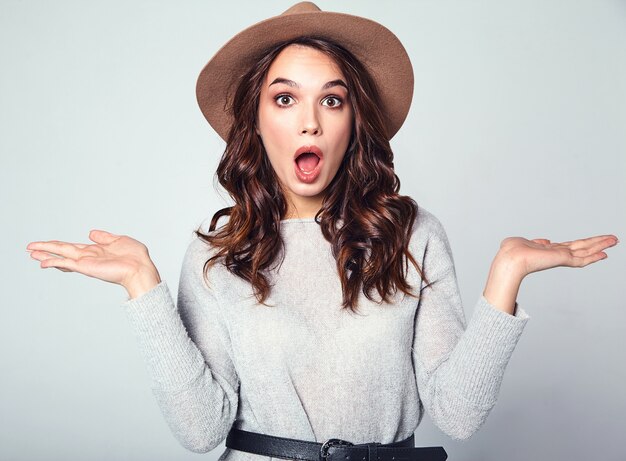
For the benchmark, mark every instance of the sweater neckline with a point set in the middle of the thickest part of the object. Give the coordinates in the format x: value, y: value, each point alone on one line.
x: 297, y: 220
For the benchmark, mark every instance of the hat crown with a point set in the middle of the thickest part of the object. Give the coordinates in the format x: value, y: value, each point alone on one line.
x: 371, y: 43
x: 302, y: 7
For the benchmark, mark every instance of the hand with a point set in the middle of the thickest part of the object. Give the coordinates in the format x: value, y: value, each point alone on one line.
x: 530, y: 256
x: 113, y: 258
x: 519, y: 257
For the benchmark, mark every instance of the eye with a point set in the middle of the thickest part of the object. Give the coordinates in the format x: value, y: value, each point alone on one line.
x: 283, y: 100
x: 332, y: 101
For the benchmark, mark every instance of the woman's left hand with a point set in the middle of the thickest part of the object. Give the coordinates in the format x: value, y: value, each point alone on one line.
x: 519, y: 257
x: 530, y: 256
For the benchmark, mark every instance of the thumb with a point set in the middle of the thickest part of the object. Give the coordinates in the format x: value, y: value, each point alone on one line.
x: 544, y: 241
x: 101, y: 236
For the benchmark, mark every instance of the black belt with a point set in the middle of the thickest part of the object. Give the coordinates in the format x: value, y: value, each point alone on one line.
x: 331, y: 449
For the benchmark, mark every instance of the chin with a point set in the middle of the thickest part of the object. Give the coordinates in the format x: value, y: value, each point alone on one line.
x: 308, y: 191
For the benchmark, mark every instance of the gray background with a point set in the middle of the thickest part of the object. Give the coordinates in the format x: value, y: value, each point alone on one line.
x: 517, y: 128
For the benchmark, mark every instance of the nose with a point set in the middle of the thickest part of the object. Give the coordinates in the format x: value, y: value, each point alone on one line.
x: 310, y: 122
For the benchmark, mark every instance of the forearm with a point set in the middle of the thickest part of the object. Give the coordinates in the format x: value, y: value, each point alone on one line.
x: 199, y: 401
x: 460, y: 391
x: 503, y: 283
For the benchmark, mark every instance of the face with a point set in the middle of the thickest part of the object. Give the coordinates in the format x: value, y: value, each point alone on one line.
x: 305, y: 123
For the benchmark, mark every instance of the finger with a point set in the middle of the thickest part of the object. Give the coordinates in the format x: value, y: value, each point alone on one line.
x: 63, y: 264
x: 37, y: 245
x: 102, y: 237
x: 40, y: 255
x: 62, y: 269
x: 594, y: 248
x: 587, y: 242
x: 585, y: 261
x: 43, y: 256
x: 46, y: 257
x: 65, y: 249
x: 590, y: 246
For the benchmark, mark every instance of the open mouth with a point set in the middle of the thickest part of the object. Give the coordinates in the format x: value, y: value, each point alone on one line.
x: 307, y: 161
x: 307, y: 158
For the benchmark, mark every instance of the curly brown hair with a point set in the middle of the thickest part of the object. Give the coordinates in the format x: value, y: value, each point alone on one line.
x: 367, y: 221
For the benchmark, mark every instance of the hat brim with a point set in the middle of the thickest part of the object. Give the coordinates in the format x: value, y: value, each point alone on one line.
x: 378, y: 49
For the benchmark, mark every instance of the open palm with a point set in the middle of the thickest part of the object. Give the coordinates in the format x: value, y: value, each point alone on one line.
x: 112, y: 258
x: 540, y: 254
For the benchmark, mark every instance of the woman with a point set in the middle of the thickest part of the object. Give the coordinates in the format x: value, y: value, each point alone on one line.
x: 300, y: 317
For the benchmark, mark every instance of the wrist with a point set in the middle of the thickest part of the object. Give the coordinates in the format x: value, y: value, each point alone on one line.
x: 503, y: 282
x: 507, y: 265
x: 142, y: 281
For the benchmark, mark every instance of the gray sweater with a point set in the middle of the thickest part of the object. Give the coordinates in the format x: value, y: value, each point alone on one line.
x: 307, y: 369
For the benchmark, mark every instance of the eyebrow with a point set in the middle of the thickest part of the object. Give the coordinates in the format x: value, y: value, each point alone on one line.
x: 327, y: 85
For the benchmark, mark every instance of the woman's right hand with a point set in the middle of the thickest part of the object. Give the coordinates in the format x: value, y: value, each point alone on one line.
x: 113, y: 258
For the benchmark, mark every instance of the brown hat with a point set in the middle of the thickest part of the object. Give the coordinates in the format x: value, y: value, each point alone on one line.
x: 374, y: 45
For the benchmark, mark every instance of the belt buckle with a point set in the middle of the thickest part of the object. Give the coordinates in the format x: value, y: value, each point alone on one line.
x: 332, y: 443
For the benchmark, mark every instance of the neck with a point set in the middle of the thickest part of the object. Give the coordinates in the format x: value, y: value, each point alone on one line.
x: 303, y: 207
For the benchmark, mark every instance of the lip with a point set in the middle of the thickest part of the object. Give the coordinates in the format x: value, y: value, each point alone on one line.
x: 314, y: 149
x: 310, y: 176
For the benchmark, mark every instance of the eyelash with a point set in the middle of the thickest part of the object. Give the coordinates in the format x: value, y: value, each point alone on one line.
x: 339, y: 101
x: 281, y: 96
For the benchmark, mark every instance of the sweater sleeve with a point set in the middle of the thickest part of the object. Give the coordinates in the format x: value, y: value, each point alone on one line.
x: 459, y: 368
x: 188, y: 356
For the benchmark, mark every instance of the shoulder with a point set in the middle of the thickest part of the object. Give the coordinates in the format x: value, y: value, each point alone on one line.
x: 198, y: 252
x: 427, y: 227
x: 429, y: 238
x: 198, y: 248
x: 429, y: 244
